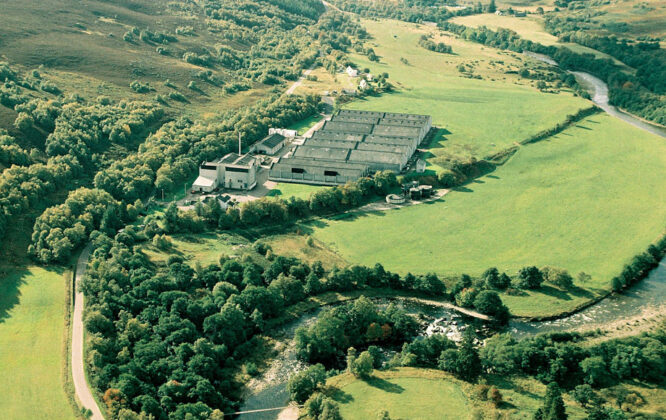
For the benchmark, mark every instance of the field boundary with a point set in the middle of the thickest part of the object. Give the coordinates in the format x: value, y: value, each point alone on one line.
x: 66, y: 366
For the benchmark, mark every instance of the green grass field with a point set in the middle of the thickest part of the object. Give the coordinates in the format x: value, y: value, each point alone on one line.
x: 409, y: 393
x: 481, y: 116
x: 32, y: 309
x: 303, y: 126
x: 404, y: 394
x: 285, y: 190
x: 587, y: 200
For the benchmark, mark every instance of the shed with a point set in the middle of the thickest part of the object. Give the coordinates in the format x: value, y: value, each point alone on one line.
x: 270, y: 145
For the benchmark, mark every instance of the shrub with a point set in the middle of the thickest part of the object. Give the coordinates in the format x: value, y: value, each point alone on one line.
x: 302, y: 384
x: 139, y: 87
x: 558, y: 277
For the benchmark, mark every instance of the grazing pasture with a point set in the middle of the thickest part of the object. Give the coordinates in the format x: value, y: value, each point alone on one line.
x: 587, y: 199
x: 484, y: 109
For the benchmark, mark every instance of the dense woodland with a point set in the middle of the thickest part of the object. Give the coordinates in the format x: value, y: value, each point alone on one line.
x: 168, y: 340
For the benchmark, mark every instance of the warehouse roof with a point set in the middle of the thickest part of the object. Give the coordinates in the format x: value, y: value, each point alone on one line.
x: 329, y: 153
x: 354, y: 112
x: 375, y: 157
x: 309, y: 162
x: 331, y: 143
x: 335, y: 135
x: 372, y: 138
x: 402, y: 122
x: 348, y: 127
x: 407, y: 116
x: 356, y: 119
x: 396, y: 131
x: 383, y: 147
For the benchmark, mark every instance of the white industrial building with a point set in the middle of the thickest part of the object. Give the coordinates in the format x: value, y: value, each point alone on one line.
x: 238, y: 172
x: 351, y: 145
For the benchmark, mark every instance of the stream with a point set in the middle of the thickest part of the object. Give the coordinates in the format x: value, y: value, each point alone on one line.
x: 598, y: 91
x: 648, y: 294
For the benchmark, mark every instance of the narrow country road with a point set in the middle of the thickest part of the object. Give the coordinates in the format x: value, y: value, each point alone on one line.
x: 81, y: 388
x: 300, y: 80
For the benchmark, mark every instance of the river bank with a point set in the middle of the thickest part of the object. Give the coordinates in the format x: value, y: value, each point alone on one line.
x: 598, y: 91
x: 637, y: 309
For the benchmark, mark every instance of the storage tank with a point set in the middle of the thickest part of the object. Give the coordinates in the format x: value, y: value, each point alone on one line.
x: 426, y: 191
x: 415, y: 193
x: 395, y: 199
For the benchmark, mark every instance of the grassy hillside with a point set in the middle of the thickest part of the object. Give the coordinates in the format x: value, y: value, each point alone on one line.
x: 32, y: 308
x: 587, y: 199
x: 481, y: 116
x: 86, y: 49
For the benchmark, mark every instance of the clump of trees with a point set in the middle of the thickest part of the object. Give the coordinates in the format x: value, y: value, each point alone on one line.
x: 559, y: 358
x: 357, y: 325
x: 430, y: 45
x: 640, y: 266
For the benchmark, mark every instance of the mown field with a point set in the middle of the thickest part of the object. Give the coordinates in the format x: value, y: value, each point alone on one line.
x: 481, y: 116
x: 285, y: 190
x: 588, y: 199
x: 411, y: 393
x: 32, y: 310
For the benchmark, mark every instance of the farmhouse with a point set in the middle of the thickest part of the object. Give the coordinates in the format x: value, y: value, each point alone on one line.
x: 270, y: 145
x: 352, y: 72
x: 351, y: 145
x: 232, y: 171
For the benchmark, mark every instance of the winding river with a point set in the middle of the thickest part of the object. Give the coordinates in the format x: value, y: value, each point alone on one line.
x: 598, y: 91
x: 649, y: 294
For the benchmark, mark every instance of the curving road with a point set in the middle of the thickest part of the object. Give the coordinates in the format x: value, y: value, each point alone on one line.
x: 81, y: 388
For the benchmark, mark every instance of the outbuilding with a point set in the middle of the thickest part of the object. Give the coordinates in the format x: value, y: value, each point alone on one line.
x: 270, y: 145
